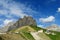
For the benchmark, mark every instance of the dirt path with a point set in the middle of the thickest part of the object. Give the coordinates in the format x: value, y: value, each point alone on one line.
x: 35, y: 35
x: 40, y: 36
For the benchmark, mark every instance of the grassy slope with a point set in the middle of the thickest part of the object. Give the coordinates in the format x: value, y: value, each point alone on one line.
x: 37, y: 28
x: 24, y: 29
x: 53, y: 37
x: 28, y: 36
x: 43, y: 36
x: 24, y: 33
x: 11, y: 37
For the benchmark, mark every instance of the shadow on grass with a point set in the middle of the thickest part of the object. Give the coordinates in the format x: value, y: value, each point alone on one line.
x: 1, y: 38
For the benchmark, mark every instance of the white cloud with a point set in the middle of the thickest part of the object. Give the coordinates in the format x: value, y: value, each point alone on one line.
x: 40, y: 25
x: 47, y: 20
x: 58, y: 10
x: 14, y: 8
x: 7, y: 21
x: 11, y: 8
x: 8, y: 8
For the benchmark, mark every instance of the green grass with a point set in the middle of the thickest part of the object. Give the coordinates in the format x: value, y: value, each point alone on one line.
x: 54, y: 37
x: 36, y: 28
x: 23, y: 29
x: 28, y: 36
x: 24, y: 32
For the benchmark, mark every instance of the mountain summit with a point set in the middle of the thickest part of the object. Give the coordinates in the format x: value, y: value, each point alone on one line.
x: 26, y: 20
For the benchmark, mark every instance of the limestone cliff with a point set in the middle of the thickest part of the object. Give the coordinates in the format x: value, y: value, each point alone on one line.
x: 26, y: 20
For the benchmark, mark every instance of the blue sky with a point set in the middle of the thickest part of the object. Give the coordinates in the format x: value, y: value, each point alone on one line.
x: 45, y: 12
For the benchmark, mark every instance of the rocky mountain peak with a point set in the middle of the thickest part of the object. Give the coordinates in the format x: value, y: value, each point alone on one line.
x: 26, y: 20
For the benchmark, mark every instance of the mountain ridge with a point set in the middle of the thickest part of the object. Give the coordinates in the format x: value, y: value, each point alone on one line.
x: 27, y: 29
x: 26, y: 20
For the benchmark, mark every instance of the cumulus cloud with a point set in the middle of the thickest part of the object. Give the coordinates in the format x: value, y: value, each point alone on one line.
x: 58, y: 10
x: 47, y: 20
x: 7, y: 21
x: 10, y: 9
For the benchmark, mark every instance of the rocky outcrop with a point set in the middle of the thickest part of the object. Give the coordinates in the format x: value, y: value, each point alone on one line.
x: 26, y: 20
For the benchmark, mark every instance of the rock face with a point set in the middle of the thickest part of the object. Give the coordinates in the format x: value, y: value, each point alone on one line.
x: 27, y: 20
